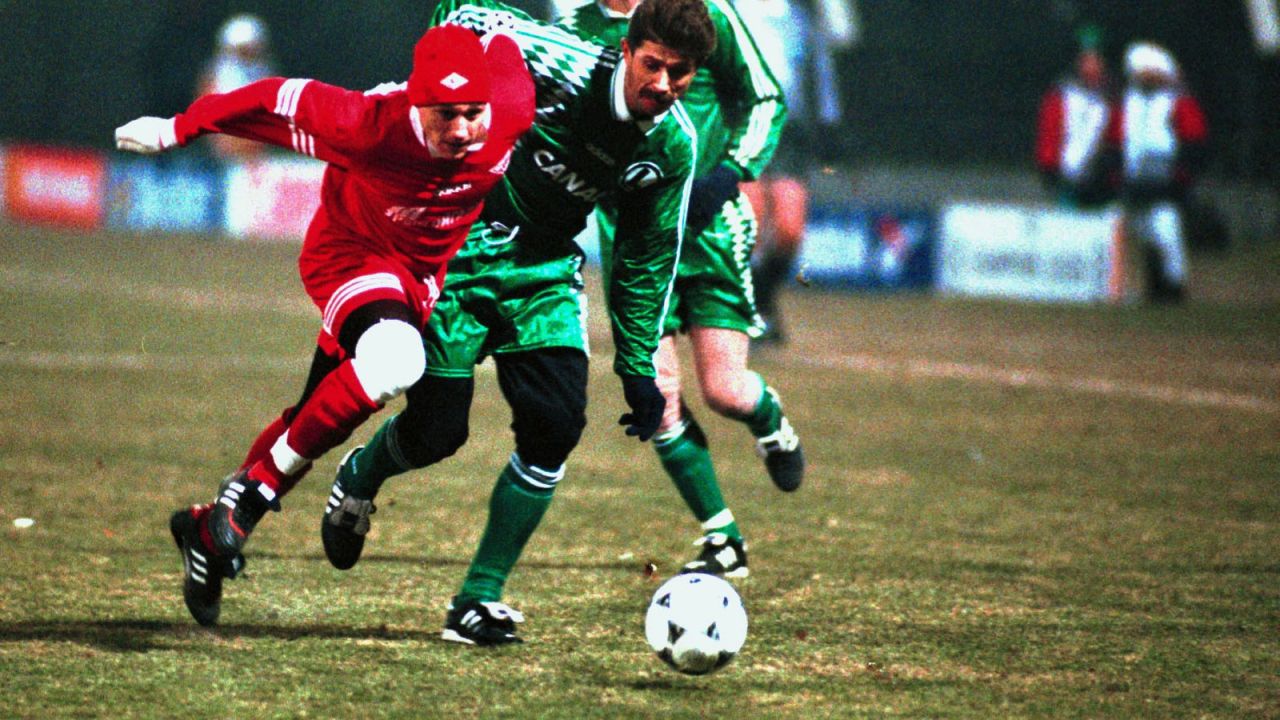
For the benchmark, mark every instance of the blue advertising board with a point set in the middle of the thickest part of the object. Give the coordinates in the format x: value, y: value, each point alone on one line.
x: 149, y: 194
x: 869, y: 248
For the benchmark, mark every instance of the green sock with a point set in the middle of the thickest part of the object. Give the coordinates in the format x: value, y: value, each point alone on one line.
x: 519, y: 500
x: 687, y: 460
x: 767, y: 417
x: 364, y: 473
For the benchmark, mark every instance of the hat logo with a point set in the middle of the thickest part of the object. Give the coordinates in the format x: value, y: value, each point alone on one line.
x: 453, y: 81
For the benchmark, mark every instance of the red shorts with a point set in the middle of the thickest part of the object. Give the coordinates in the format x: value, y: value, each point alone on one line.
x: 341, y: 275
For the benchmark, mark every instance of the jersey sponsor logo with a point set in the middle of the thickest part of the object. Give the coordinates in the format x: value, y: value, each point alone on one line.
x: 419, y: 217
x: 573, y: 183
x: 601, y: 155
x: 453, y: 189
x: 640, y: 175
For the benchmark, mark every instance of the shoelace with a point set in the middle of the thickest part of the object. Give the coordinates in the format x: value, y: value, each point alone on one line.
x: 783, y: 440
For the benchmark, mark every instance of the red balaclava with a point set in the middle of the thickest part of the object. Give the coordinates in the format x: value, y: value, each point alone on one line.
x: 449, y: 68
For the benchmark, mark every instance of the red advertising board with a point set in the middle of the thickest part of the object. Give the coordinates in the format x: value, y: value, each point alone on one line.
x: 4, y: 153
x: 55, y: 185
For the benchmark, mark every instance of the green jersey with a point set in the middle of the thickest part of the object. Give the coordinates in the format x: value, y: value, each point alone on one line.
x: 585, y: 148
x: 734, y: 99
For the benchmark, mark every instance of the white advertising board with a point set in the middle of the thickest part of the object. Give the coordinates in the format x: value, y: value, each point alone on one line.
x: 273, y: 199
x: 1029, y: 253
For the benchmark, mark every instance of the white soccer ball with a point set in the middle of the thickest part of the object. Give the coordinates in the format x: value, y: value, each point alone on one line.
x: 696, y: 623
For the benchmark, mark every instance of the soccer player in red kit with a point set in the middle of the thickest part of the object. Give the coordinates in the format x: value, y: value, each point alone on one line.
x: 408, y: 172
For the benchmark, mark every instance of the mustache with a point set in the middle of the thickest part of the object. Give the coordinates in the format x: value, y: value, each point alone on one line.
x: 658, y: 96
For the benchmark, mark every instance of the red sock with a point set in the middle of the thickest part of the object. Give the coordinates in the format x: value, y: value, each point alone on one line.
x: 261, y: 447
x: 334, y: 410
x: 338, y: 406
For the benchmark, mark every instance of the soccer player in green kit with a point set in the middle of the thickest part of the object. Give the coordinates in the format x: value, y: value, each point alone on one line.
x: 738, y: 107
x: 608, y: 127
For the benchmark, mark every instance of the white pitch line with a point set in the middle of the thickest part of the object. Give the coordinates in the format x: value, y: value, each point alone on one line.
x: 1022, y: 377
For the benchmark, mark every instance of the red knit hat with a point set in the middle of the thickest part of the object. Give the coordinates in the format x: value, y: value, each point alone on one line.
x: 448, y: 67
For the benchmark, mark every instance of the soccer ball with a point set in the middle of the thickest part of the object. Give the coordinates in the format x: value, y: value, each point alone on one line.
x: 696, y: 623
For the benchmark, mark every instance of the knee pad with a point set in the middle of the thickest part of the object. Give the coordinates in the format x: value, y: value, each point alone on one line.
x: 389, y: 359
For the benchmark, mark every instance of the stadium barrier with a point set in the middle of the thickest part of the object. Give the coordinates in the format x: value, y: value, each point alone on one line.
x: 50, y: 185
x: 851, y: 246
x: 271, y: 199
x: 146, y: 195
x: 997, y: 250
x: 1031, y: 253
x: 4, y: 181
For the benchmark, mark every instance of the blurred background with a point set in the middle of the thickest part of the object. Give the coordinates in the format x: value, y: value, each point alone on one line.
x: 939, y: 97
x: 927, y: 82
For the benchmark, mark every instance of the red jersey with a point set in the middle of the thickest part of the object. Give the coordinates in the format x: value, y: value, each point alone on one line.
x: 383, y: 189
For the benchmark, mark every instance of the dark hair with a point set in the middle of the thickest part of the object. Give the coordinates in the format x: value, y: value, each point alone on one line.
x: 682, y: 25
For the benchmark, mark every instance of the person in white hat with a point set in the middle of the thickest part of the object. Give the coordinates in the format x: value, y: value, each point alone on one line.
x: 1162, y: 136
x: 242, y: 55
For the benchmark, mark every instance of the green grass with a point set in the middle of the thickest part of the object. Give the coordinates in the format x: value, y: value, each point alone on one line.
x: 1011, y: 511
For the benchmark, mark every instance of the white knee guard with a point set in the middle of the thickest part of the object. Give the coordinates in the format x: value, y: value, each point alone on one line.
x: 389, y: 359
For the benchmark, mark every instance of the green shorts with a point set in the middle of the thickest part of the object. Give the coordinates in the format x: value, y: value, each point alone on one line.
x: 713, y: 282
x: 501, y: 296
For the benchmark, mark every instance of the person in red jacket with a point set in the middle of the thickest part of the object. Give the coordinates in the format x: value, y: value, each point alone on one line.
x: 1071, y: 150
x: 1162, y: 136
x: 408, y: 170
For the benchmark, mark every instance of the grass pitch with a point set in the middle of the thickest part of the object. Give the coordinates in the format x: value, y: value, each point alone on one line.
x: 1011, y: 511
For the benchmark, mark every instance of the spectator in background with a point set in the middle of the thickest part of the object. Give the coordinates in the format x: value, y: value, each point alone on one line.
x: 798, y: 42
x: 1162, y: 136
x: 242, y: 56
x: 1071, y: 149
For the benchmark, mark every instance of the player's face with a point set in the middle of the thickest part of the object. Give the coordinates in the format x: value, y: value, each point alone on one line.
x: 451, y: 129
x: 656, y: 77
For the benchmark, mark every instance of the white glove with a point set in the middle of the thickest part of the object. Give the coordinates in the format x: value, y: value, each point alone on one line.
x: 147, y: 135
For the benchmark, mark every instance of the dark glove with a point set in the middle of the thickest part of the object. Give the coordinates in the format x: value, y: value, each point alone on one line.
x: 710, y: 192
x: 646, y: 403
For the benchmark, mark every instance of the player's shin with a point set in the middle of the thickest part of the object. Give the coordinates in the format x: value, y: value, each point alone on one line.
x: 776, y: 441
x: 519, y: 500
x: 686, y: 457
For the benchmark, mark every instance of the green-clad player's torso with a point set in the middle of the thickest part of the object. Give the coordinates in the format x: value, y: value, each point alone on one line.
x: 583, y: 148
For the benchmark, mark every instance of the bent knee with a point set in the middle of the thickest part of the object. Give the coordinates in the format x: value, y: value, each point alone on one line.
x: 389, y: 359
x: 422, y: 447
x: 730, y: 399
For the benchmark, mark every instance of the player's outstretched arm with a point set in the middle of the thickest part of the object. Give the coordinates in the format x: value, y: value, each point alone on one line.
x: 147, y: 135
